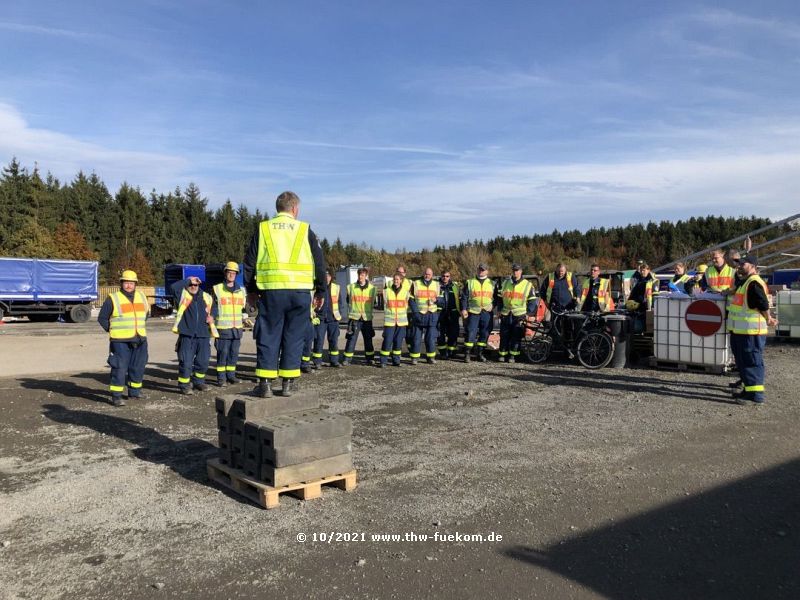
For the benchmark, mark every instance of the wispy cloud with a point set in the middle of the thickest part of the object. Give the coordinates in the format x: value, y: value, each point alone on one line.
x: 52, y: 31
x: 389, y: 148
x: 65, y: 155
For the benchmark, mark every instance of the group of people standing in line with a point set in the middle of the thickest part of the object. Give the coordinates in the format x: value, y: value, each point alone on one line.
x: 300, y: 306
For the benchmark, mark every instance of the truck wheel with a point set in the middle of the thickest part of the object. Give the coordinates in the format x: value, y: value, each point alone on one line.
x: 79, y: 313
x: 2, y: 313
x: 250, y: 310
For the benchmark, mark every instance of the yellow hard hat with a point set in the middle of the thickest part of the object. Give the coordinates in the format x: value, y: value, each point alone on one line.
x: 232, y: 266
x: 631, y: 304
x: 128, y: 275
x: 702, y: 268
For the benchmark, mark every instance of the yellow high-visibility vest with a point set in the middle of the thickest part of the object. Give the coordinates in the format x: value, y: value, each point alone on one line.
x: 128, y: 318
x: 719, y: 281
x: 185, y: 301
x: 284, y: 258
x: 362, y: 301
x: 335, y: 290
x: 424, y: 293
x: 604, y: 300
x: 741, y: 318
x: 515, y: 297
x: 230, y: 305
x: 480, y: 294
x: 395, y: 312
x: 552, y: 283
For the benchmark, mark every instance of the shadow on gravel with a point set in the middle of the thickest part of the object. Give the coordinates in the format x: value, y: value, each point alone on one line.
x: 741, y: 540
x: 187, y: 458
x: 625, y: 383
x: 65, y: 388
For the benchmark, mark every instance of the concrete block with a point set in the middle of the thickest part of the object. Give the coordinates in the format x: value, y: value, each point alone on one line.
x: 251, y: 468
x: 254, y: 409
x: 223, y: 424
x: 236, y: 426
x: 310, y: 426
x: 308, y: 452
x: 325, y: 467
x: 237, y: 459
x: 224, y: 456
x: 252, y: 443
x: 224, y: 441
x: 223, y: 404
x: 237, y: 443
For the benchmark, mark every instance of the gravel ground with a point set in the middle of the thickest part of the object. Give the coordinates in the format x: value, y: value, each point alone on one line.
x: 630, y: 483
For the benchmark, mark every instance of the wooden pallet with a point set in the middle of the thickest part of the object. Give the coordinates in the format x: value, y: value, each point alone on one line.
x: 268, y: 496
x: 657, y: 363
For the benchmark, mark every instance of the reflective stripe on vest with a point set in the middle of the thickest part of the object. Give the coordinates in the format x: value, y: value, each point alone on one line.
x: 552, y: 283
x: 515, y: 297
x: 230, y: 305
x: 361, y: 302
x: 284, y: 258
x: 424, y: 294
x: 480, y: 294
x: 718, y: 281
x: 335, y: 291
x: 128, y: 318
x: 396, y: 310
x: 185, y: 301
x: 604, y: 300
x: 741, y: 318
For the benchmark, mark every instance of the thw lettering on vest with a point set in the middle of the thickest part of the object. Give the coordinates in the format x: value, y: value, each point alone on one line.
x: 283, y: 226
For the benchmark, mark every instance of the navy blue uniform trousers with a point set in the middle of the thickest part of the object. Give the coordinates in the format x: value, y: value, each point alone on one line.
x: 228, y: 344
x: 331, y: 330
x: 193, y: 356
x: 392, y: 344
x: 280, y: 332
x: 308, y: 342
x: 448, y: 330
x: 429, y: 331
x: 367, y: 331
x: 510, y: 335
x: 748, y: 351
x: 127, y: 361
x: 478, y: 329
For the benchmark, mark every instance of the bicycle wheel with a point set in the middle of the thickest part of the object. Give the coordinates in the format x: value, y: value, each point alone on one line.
x: 595, y: 349
x: 538, y: 348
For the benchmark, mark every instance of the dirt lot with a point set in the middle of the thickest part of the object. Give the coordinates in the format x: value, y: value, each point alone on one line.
x: 616, y: 484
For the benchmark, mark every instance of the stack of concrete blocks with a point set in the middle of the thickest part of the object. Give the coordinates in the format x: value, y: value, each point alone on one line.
x: 282, y: 441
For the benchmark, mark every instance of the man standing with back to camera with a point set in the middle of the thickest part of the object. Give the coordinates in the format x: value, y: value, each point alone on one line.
x: 284, y: 261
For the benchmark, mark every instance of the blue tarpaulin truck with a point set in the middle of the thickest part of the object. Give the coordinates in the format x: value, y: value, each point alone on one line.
x: 45, y: 289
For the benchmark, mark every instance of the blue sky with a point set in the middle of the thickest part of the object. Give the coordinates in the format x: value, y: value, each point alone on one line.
x: 417, y: 123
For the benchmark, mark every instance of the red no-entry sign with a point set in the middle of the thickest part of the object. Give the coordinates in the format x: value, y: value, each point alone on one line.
x: 704, y: 318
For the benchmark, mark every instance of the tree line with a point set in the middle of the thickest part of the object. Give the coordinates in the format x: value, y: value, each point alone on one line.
x: 42, y: 217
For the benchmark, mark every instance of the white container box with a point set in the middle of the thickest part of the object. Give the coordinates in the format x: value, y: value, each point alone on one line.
x: 675, y: 342
x: 787, y: 306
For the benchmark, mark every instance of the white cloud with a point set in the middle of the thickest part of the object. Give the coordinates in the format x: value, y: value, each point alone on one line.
x: 51, y: 31
x: 65, y: 155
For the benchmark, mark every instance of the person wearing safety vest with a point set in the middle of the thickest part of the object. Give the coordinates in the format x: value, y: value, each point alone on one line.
x: 329, y: 316
x: 194, y: 326
x: 516, y: 300
x: 477, y: 307
x: 450, y: 314
x: 595, y: 292
x: 561, y: 290
x: 681, y: 280
x: 361, y: 300
x: 306, y: 364
x: 426, y: 294
x: 397, y: 303
x: 720, y: 276
x: 229, y: 301
x: 749, y: 320
x: 406, y: 282
x: 124, y: 316
x: 643, y: 286
x: 283, y: 263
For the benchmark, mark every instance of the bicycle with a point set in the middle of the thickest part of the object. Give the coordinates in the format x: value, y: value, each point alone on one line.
x: 587, y: 339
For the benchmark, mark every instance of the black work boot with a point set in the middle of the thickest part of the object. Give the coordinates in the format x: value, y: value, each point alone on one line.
x: 263, y: 389
x: 467, y: 354
x: 481, y: 357
x: 117, y: 400
x: 287, y: 386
